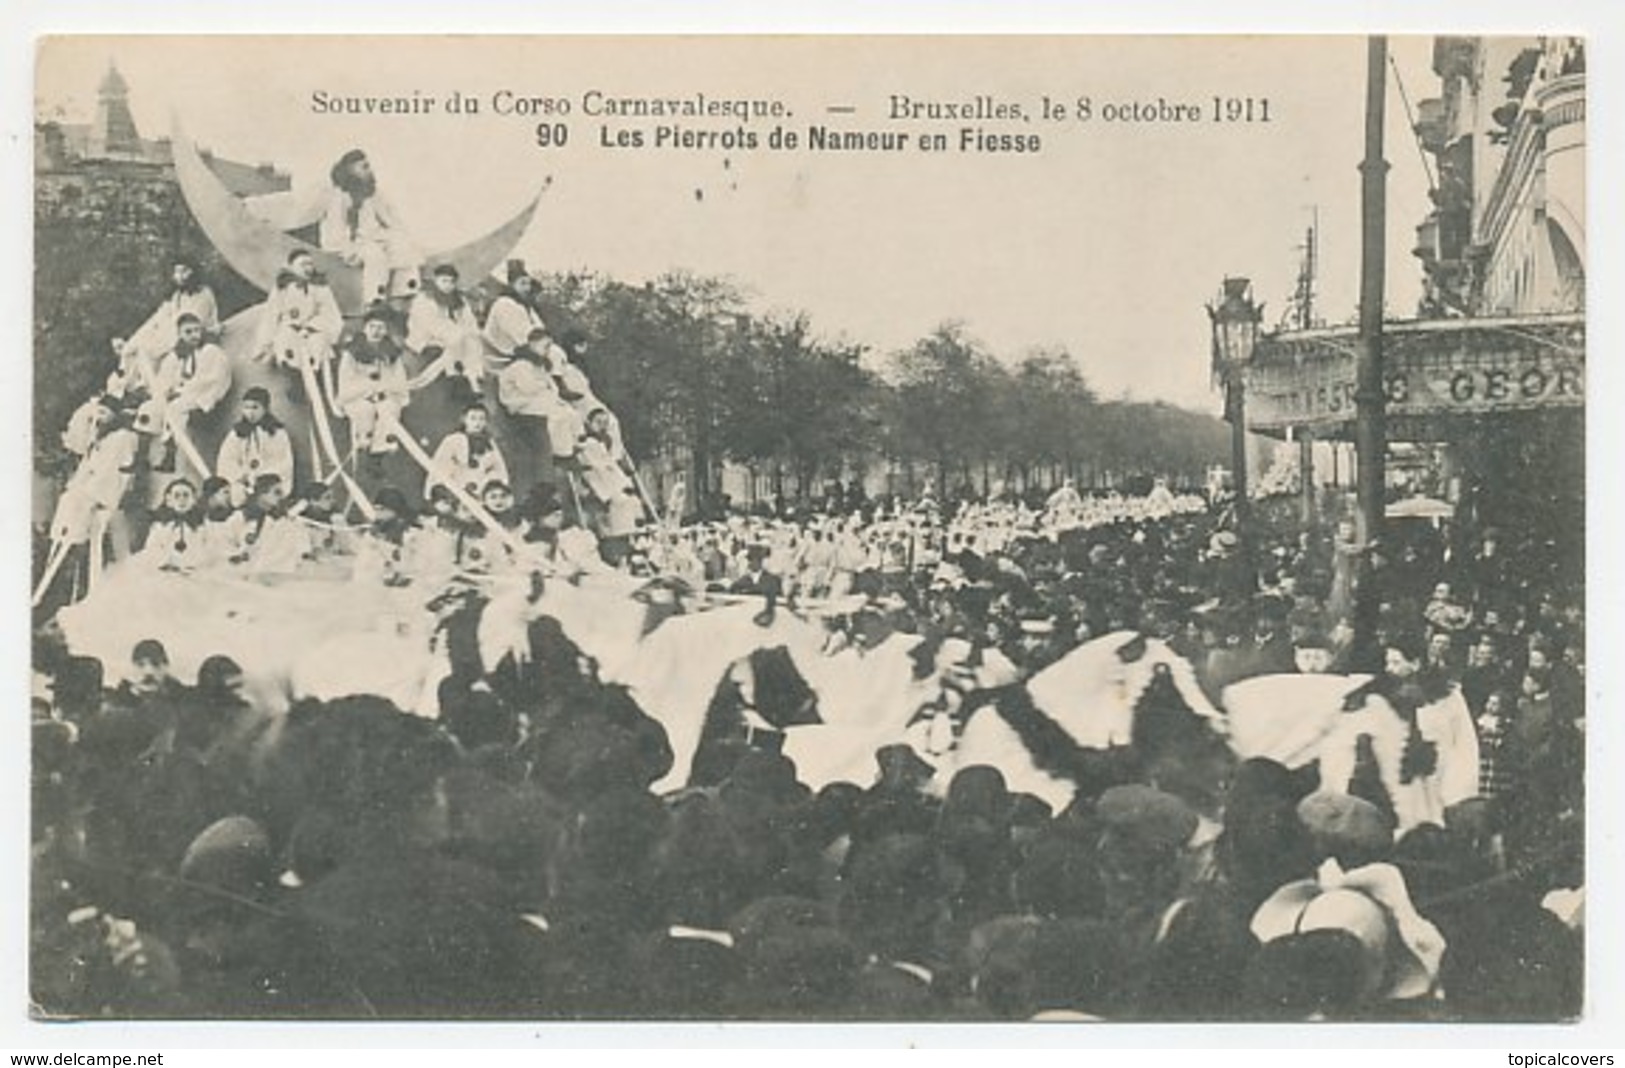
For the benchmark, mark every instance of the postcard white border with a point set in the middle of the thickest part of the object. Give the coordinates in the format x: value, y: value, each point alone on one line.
x: 24, y: 20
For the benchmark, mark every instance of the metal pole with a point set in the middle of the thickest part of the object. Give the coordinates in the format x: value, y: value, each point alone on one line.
x: 1306, y: 473
x: 1235, y: 395
x: 1370, y: 434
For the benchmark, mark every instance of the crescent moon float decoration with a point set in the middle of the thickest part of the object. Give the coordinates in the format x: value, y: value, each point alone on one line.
x: 257, y: 250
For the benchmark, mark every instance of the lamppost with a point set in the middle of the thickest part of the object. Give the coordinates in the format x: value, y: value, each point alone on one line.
x: 1235, y: 320
x: 1370, y: 398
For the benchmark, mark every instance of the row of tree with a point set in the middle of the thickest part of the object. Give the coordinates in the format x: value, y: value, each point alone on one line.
x: 693, y: 374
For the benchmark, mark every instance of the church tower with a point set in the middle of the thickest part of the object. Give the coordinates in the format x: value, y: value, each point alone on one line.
x: 113, y: 132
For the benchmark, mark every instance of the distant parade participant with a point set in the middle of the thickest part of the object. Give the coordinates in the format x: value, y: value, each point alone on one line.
x: 512, y: 317
x: 440, y: 326
x: 851, y: 556
x: 364, y: 228
x: 372, y: 388
x: 682, y: 561
x: 175, y: 539
x: 188, y: 295
x: 300, y: 322
x: 1161, y: 498
x: 191, y: 380
x: 257, y: 444
x: 816, y: 562
x: 1065, y: 499
x: 468, y: 457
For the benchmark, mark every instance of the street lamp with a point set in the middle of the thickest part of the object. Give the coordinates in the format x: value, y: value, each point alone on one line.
x: 1235, y: 320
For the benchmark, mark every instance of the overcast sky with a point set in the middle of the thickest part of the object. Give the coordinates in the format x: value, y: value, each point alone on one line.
x: 1107, y: 242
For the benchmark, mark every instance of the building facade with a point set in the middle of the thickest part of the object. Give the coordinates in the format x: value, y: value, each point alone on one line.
x: 1485, y: 388
x: 1507, y: 233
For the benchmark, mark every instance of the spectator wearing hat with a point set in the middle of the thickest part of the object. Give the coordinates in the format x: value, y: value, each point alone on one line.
x: 688, y: 965
x: 893, y: 903
x: 757, y: 579
x: 1313, y: 976
x: 973, y: 838
x: 1440, y: 658
x: 1264, y: 843
x: 1143, y: 835
x: 131, y: 718
x: 795, y: 961
x: 258, y: 444
x: 1351, y: 830
x: 1399, y: 950
x: 1271, y: 651
x: 1312, y: 652
x: 1484, y: 672
x: 219, y: 725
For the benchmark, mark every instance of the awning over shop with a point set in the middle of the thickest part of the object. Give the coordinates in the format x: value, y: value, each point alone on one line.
x: 1436, y: 371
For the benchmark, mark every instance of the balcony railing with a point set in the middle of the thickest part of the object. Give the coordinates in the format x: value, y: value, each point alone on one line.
x: 1560, y: 102
x: 1549, y: 105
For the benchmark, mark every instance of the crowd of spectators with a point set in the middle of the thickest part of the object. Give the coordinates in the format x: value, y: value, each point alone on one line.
x: 197, y: 856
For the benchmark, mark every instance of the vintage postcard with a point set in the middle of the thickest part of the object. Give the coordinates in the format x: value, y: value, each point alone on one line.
x: 921, y: 529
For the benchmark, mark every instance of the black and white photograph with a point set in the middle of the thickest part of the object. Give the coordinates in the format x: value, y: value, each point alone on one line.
x: 972, y: 529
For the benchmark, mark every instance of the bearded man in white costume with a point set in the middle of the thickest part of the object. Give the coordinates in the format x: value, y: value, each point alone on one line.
x: 365, y: 230
x: 191, y: 380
